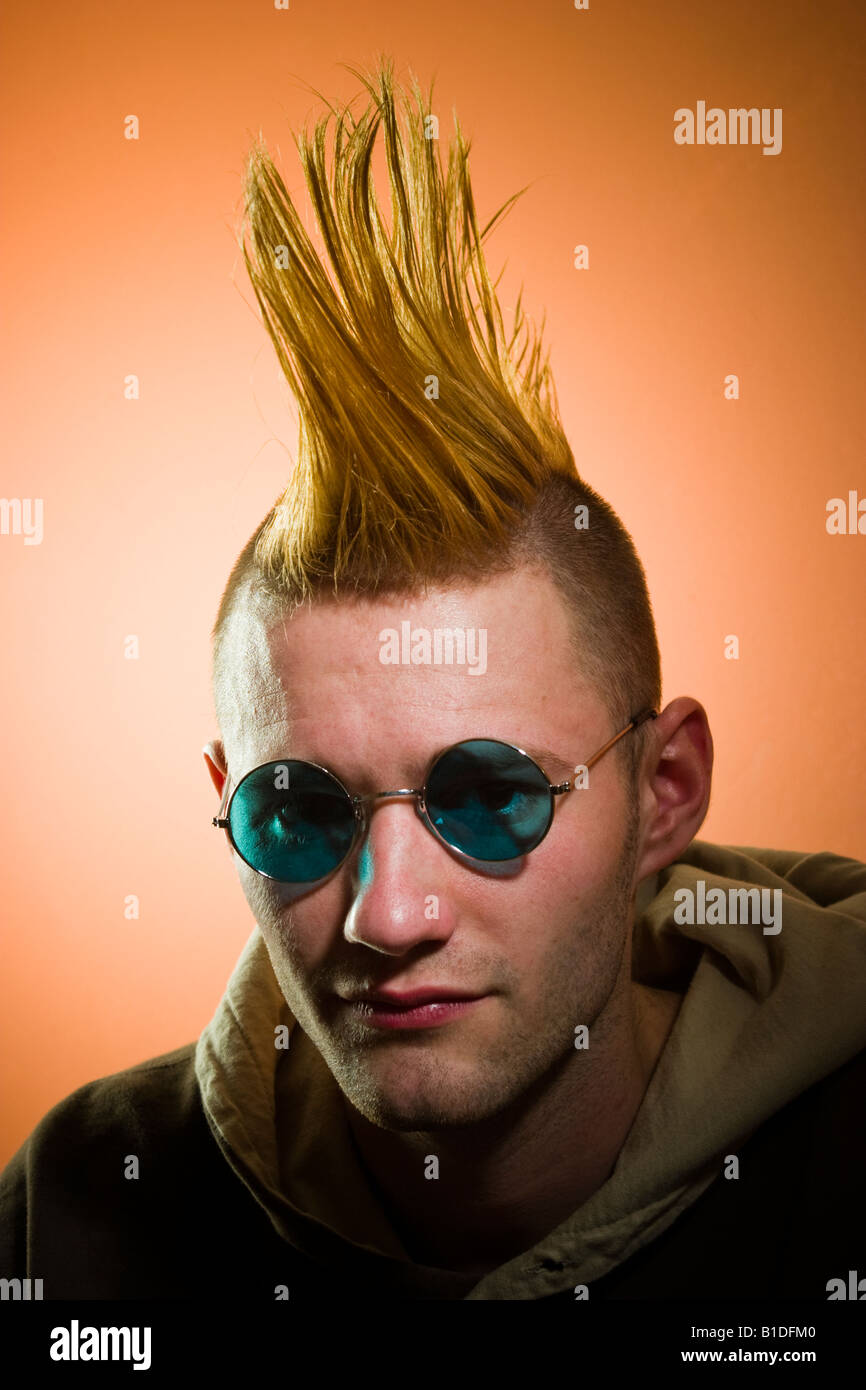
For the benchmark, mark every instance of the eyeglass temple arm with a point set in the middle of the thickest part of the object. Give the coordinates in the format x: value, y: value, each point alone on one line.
x: 218, y: 818
x: 632, y: 724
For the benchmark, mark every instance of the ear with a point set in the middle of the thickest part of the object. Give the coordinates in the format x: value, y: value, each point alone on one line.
x: 676, y: 784
x: 215, y: 761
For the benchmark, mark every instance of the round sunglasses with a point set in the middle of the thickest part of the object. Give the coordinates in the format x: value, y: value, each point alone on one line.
x: 296, y: 822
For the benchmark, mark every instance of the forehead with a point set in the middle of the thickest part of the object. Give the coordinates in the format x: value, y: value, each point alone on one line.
x: 341, y: 680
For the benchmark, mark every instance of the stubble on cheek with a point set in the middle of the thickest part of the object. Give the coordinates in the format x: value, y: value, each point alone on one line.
x: 587, y: 960
x: 298, y: 971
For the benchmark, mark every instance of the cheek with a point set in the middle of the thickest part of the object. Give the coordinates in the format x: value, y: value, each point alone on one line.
x: 574, y: 864
x: 567, y: 910
x: 583, y: 851
x: 299, y: 926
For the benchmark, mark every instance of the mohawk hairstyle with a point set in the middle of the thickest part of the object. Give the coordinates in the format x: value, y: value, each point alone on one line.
x: 430, y: 446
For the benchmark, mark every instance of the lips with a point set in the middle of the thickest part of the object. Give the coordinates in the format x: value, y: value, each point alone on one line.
x: 412, y: 999
x: 438, y: 1006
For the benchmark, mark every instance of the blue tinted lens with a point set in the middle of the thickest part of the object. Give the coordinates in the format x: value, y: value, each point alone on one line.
x: 291, y: 821
x: 489, y: 800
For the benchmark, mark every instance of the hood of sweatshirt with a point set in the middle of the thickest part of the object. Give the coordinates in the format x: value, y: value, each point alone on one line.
x: 769, y: 1007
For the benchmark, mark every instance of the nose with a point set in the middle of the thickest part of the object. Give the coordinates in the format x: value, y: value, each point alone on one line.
x: 400, y: 897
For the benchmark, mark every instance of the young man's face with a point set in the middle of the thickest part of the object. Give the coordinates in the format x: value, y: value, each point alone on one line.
x: 542, y: 939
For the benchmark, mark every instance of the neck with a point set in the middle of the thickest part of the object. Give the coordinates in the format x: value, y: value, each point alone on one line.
x: 503, y: 1184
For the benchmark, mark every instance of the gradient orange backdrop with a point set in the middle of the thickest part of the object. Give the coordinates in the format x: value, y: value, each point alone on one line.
x: 119, y: 257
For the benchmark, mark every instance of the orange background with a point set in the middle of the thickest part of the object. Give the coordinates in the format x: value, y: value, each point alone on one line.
x: 119, y: 257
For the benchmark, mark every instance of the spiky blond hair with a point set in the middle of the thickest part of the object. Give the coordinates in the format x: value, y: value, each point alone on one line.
x: 430, y: 446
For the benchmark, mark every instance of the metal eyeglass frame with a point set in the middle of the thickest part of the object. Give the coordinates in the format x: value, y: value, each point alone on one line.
x: 361, y: 803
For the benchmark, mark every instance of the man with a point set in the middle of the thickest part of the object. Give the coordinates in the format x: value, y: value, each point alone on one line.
x: 505, y: 1028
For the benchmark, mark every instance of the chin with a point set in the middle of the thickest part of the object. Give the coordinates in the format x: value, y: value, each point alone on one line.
x: 416, y: 1102
x: 412, y: 1118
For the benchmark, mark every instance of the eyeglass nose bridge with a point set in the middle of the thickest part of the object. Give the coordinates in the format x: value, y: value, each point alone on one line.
x: 361, y: 804
x: 401, y: 791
